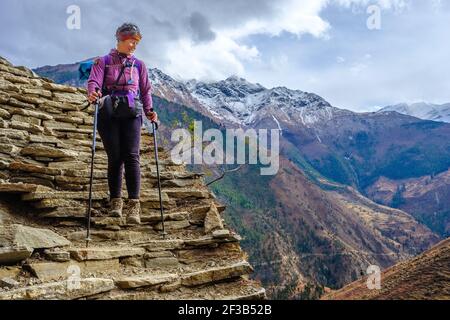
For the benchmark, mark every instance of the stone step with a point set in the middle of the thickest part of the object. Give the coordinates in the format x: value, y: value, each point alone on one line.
x: 100, y: 215
x: 62, y: 290
x: 188, y: 175
x: 152, y: 195
x: 237, y: 289
x: 169, y: 175
x: 73, y: 165
x: 145, y: 280
x: 41, y: 150
x: 210, y: 240
x: 147, y: 276
x: 61, y: 203
x: 179, y: 183
x: 102, y: 236
x: 13, y: 254
x: 52, y: 271
x: 172, y: 225
x: 105, y: 253
x: 145, y: 219
x: 216, y: 274
x: 151, y: 277
x: 27, y: 167
x: 168, y: 216
x: 252, y: 293
x: 67, y: 212
x: 182, y: 193
x: 29, y: 113
x: 177, y: 244
x: 84, y: 172
x: 9, y: 272
x: 217, y: 252
x: 17, y: 187
x: 162, y: 245
x: 151, y: 240
x: 57, y: 254
x: 20, y: 236
x: 14, y: 134
x: 149, y: 159
x: 42, y: 192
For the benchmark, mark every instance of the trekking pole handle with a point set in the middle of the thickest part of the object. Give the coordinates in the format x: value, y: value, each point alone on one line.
x: 97, y: 90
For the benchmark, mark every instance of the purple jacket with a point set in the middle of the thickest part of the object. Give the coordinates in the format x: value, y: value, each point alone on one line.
x: 111, y: 72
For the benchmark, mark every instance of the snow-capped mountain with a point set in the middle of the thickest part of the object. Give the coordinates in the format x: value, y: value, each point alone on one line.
x: 239, y: 102
x: 361, y: 150
x: 422, y: 110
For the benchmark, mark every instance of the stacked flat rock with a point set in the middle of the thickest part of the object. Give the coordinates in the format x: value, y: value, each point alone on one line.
x: 45, y: 154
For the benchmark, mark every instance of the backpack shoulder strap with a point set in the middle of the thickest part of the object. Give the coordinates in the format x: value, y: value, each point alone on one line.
x: 139, y: 65
x: 106, y: 61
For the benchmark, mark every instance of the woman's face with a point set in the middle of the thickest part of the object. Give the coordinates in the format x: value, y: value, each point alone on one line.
x: 127, y: 46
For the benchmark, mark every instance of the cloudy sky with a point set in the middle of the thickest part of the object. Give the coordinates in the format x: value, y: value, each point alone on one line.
x: 320, y: 46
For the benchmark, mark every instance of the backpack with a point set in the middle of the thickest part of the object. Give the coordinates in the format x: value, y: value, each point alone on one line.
x: 85, y: 67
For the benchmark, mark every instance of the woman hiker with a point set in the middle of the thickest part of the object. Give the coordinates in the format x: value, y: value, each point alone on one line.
x: 125, y: 79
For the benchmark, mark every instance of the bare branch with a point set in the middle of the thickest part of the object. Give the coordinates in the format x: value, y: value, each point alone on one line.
x: 223, y: 174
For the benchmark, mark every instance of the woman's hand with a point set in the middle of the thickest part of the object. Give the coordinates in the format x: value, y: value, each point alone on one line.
x: 152, y: 116
x: 94, y: 95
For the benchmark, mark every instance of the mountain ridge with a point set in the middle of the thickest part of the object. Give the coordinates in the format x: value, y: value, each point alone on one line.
x: 422, y: 110
x: 425, y: 277
x: 315, y: 139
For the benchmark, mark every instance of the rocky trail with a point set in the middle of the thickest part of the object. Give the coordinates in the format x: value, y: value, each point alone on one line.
x: 45, y: 154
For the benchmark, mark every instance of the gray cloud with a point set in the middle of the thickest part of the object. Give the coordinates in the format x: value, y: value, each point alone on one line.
x: 201, y: 28
x: 38, y: 34
x: 189, y: 39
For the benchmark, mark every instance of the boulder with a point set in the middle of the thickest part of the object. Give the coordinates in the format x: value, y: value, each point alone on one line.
x: 14, y: 254
x: 37, y: 238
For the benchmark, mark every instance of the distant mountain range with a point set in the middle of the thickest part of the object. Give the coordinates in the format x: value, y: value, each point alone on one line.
x: 422, y: 110
x: 314, y: 224
x: 363, y: 150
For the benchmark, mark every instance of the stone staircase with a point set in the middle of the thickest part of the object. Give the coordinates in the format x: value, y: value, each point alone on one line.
x: 45, y: 153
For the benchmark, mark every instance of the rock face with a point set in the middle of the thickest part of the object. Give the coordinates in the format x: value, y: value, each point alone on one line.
x: 45, y: 154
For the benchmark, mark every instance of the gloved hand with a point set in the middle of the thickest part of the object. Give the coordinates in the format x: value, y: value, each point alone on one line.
x: 94, y: 95
x: 152, y: 116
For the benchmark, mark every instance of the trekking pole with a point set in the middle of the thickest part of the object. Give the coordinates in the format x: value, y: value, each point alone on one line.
x: 152, y: 131
x: 88, y: 234
x: 155, y: 143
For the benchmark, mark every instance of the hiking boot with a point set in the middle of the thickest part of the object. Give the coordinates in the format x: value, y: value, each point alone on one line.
x: 134, y: 211
x: 116, y: 206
